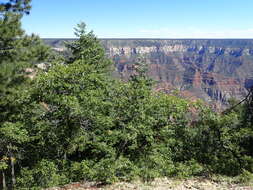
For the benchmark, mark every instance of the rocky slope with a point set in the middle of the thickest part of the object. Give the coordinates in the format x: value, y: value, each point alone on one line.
x: 213, y: 70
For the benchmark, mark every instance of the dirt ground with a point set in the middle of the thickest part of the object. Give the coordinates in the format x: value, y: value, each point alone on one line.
x: 161, y: 184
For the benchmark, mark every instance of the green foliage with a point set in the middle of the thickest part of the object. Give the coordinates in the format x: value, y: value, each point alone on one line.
x: 3, y: 165
x: 14, y: 132
x: 73, y: 122
x: 245, y: 177
x: 19, y: 55
x: 88, y: 49
x: 74, y: 95
x: 16, y: 6
x: 106, y: 130
x: 44, y: 174
x: 188, y: 169
x: 107, y: 170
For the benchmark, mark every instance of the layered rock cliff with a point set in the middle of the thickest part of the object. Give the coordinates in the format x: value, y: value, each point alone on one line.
x: 213, y: 70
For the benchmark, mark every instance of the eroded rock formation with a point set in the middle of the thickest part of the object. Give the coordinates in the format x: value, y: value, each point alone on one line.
x: 213, y: 70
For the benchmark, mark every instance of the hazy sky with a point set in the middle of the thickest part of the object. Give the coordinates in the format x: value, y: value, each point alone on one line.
x: 143, y: 18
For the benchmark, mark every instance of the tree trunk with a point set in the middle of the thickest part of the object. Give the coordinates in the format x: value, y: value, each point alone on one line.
x: 4, y: 181
x: 13, y: 172
x: 65, y: 156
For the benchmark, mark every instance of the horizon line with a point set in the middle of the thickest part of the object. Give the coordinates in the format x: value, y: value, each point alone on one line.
x: 50, y: 38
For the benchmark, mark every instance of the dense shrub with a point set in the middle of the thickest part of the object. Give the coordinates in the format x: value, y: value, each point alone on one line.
x: 44, y: 174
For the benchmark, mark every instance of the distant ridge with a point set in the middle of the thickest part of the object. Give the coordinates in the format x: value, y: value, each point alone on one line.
x: 154, y: 38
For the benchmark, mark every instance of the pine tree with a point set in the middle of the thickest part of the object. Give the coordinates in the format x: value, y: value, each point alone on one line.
x: 72, y: 94
x: 16, y: 6
x: 18, y: 55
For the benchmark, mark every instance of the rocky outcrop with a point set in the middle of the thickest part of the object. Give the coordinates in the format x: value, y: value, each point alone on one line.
x: 213, y: 70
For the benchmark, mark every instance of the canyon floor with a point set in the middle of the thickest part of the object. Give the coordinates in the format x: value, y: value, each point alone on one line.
x: 163, y: 184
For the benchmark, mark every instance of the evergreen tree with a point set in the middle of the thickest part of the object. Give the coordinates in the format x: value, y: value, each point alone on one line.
x: 16, y: 6
x: 73, y: 93
x: 19, y: 54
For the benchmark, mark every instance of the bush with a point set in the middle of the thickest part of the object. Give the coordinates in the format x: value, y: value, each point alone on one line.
x: 245, y: 177
x: 188, y: 169
x: 44, y: 174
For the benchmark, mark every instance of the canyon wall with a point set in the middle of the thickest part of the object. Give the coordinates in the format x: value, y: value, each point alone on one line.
x: 213, y: 70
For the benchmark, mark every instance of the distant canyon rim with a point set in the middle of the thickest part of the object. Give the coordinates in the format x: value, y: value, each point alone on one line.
x: 214, y: 70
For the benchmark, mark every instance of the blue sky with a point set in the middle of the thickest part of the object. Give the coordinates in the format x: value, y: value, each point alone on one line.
x: 143, y: 18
